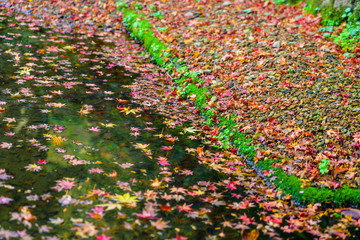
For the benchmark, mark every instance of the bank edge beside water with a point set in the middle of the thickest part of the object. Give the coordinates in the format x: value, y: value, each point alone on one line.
x: 189, y: 84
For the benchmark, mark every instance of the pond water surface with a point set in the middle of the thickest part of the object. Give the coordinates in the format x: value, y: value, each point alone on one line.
x: 64, y: 142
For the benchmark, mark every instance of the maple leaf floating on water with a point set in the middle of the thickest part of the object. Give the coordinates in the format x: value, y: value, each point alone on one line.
x: 84, y: 111
x: 178, y: 237
x: 125, y: 199
x: 163, y: 161
x: 190, y: 130
x: 85, y: 229
x: 33, y: 168
x: 4, y: 175
x: 144, y: 148
x: 41, y: 162
x: 57, y: 92
x: 56, y: 105
x: 111, y: 206
x: 70, y: 48
x: 65, y: 200
x: 60, y: 150
x: 25, y: 71
x: 167, y: 148
x: 6, y: 145
x: 5, y: 200
x: 121, y: 101
x: 52, y: 48
x: 65, y: 184
x: 94, y: 129
x: 10, y: 134
x: 56, y: 140
x: 7, y: 234
x: 103, y: 237
x: 108, y: 125
x: 97, y: 212
x: 112, y: 174
x: 58, y: 129
x: 9, y: 120
x: 128, y: 110
x: 23, y: 215
x: 125, y: 165
x: 96, y: 170
x: 159, y: 224
x: 141, y: 146
x: 185, y: 208
x: 156, y: 183
x: 145, y: 215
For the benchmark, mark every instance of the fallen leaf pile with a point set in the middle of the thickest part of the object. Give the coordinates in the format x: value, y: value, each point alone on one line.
x: 291, y: 90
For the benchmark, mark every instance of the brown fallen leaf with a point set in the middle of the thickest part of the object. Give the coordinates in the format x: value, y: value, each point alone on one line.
x: 121, y: 101
x: 282, y: 60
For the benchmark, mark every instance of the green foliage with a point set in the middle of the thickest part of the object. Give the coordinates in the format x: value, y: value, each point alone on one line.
x: 152, y: 7
x: 141, y: 30
x: 227, y: 123
x: 247, y: 11
x: 327, y: 29
x: 337, y: 215
x: 266, y: 164
x: 330, y: 16
x: 209, y: 113
x: 208, y: 122
x: 243, y: 144
x: 292, y: 185
x: 323, y: 166
x: 137, y: 6
x: 158, y: 14
x: 349, y: 37
x: 121, y: 5
x: 340, y: 197
x: 290, y: 2
x: 331, y: 20
x: 347, y: 13
x: 162, y: 29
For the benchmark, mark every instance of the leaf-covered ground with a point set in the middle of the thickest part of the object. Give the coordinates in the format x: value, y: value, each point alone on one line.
x: 291, y: 91
x: 203, y: 193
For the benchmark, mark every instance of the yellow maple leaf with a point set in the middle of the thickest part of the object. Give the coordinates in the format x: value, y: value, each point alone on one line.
x: 56, y: 140
x: 141, y: 146
x: 58, y: 105
x: 69, y: 48
x: 128, y: 110
x: 156, y: 183
x: 25, y: 71
x: 125, y: 199
x: 190, y: 130
x: 199, y: 192
x: 109, y: 125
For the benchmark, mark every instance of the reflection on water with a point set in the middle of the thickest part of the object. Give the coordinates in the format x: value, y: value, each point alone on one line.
x: 65, y: 146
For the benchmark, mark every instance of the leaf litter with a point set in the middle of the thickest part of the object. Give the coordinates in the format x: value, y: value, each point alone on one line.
x: 292, y: 91
x: 195, y: 190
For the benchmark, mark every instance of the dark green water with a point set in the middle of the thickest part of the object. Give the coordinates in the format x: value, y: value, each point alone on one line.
x: 47, y: 78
